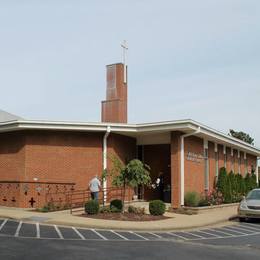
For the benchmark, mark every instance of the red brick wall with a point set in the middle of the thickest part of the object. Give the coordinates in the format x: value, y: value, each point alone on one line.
x: 194, y: 171
x: 12, y: 156
x: 212, y: 164
x: 63, y: 157
x: 121, y: 147
x: 175, y: 169
x: 251, y: 162
x: 242, y: 164
x: 114, y: 108
x: 229, y: 159
x: 220, y: 156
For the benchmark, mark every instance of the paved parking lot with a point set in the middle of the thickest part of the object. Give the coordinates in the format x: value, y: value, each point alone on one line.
x: 207, y: 235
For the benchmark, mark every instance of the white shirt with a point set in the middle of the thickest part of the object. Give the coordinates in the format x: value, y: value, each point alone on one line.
x: 94, y: 185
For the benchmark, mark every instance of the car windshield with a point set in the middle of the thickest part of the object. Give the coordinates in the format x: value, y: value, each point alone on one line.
x: 253, y: 195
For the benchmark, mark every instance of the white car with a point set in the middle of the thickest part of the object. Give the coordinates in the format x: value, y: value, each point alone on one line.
x: 249, y: 207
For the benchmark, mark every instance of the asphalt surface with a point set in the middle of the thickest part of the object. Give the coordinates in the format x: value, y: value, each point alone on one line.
x: 20, y: 240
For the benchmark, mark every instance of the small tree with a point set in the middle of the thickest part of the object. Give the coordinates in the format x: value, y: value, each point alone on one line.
x: 242, y: 136
x: 132, y: 175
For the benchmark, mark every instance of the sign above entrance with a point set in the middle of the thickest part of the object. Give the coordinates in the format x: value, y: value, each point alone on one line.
x: 195, y: 157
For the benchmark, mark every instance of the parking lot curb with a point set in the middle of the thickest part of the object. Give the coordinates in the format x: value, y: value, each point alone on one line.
x: 136, y: 228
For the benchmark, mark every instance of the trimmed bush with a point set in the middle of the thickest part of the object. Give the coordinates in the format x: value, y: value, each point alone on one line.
x: 156, y: 207
x: 192, y: 199
x: 92, y: 207
x: 118, y: 204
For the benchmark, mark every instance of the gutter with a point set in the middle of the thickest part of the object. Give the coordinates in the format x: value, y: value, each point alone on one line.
x: 105, y: 161
x: 256, y: 171
x: 182, y: 162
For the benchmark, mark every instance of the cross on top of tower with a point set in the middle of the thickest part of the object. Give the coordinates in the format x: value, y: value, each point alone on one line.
x: 125, y: 48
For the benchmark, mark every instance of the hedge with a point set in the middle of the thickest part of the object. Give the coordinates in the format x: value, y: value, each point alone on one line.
x: 234, y: 186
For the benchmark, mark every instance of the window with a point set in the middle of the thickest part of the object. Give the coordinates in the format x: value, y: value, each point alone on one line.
x: 206, y: 168
x: 246, y: 165
x: 216, y: 161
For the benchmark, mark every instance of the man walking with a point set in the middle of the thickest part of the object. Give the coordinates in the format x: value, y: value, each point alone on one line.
x: 94, y: 186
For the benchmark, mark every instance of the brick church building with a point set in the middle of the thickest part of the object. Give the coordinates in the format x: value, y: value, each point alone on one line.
x: 37, y: 156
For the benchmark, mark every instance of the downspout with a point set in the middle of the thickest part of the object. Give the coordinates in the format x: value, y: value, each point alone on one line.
x: 182, y: 162
x: 256, y: 171
x: 105, y: 163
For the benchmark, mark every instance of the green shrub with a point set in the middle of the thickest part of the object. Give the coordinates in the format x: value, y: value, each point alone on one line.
x: 222, y: 179
x: 105, y: 209
x: 92, y: 207
x: 156, y: 207
x: 118, y: 204
x: 136, y: 210
x: 191, y: 199
x: 203, y: 202
x: 113, y: 209
x: 234, y: 186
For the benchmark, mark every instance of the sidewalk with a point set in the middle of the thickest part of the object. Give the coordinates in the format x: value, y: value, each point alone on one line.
x: 176, y: 222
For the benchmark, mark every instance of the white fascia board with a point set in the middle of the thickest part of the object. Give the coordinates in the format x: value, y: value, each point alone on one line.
x: 231, y: 142
x: 165, y: 127
x: 186, y: 125
x: 64, y: 126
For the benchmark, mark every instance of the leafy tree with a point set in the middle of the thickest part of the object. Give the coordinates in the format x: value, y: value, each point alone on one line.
x: 132, y: 175
x: 242, y: 136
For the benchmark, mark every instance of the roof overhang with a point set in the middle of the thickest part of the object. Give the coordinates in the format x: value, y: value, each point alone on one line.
x: 134, y: 130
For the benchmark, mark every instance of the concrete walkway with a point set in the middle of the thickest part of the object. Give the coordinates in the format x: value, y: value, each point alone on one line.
x: 175, y: 222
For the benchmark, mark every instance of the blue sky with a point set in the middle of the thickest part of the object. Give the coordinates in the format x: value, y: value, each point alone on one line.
x: 187, y: 59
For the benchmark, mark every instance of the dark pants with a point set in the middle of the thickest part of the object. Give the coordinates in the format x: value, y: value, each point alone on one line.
x: 161, y: 193
x: 94, y: 195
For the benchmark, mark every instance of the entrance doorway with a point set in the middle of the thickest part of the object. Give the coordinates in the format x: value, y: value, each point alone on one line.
x: 158, y: 157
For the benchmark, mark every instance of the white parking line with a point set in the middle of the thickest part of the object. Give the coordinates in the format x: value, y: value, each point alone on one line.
x: 223, y: 232
x: 234, y: 230
x: 58, y: 232
x: 156, y: 235
x: 119, y: 235
x: 78, y: 233
x: 2, y: 225
x: 93, y: 230
x: 138, y: 235
x: 191, y: 233
x: 178, y: 236
x: 251, y: 225
x: 243, y: 229
x: 18, y: 229
x: 38, y: 234
x: 250, y: 228
x: 207, y: 233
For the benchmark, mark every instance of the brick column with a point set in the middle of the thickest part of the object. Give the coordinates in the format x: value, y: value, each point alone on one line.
x: 175, y: 169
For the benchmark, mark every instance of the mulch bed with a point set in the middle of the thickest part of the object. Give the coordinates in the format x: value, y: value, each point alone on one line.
x: 125, y: 216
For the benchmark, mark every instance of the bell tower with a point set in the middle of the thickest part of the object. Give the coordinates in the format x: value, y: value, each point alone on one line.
x: 114, y: 108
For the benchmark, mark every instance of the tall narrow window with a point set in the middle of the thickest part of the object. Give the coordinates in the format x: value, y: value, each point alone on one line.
x: 216, y: 160
x: 206, y: 158
x: 225, y: 156
x: 206, y: 163
x: 239, y: 162
x: 245, y: 164
x: 246, y: 167
x: 232, y: 160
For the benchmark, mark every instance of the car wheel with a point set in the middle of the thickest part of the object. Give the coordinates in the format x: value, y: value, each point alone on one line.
x: 242, y: 219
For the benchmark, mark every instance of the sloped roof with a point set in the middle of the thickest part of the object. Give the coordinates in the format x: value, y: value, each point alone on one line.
x: 135, y: 130
x: 7, y: 117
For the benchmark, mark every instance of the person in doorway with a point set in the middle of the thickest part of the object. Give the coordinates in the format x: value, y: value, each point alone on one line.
x: 160, y: 184
x: 94, y: 186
